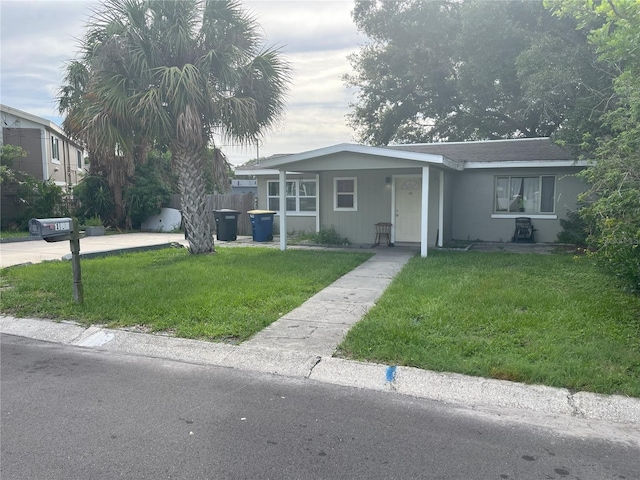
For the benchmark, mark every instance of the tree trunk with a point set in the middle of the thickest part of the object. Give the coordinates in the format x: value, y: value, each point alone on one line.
x: 188, y: 157
x: 118, y: 202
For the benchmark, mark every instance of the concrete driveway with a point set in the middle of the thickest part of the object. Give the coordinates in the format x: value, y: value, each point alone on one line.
x: 34, y: 251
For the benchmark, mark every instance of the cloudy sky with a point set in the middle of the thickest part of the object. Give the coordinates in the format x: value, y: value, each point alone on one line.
x: 316, y: 36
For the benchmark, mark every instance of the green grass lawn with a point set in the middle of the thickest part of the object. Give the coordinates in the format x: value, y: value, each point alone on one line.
x: 227, y: 296
x: 13, y: 233
x: 543, y: 319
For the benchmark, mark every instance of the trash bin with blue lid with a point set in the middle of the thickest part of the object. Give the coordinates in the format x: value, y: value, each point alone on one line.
x: 262, y: 225
x: 226, y: 224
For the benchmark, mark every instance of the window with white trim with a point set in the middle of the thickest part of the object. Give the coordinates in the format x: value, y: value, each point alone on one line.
x: 531, y: 194
x: 55, y: 149
x: 301, y: 195
x: 79, y: 158
x: 345, y: 194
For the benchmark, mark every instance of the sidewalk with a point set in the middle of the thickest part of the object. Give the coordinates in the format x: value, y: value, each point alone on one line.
x: 319, y: 324
x: 34, y: 251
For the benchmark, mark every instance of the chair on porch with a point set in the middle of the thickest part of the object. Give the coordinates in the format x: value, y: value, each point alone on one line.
x: 524, y: 230
x: 383, y: 230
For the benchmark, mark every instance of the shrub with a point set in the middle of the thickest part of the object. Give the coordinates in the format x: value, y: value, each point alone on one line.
x: 329, y: 236
x: 149, y: 191
x: 574, y: 230
x: 94, y: 197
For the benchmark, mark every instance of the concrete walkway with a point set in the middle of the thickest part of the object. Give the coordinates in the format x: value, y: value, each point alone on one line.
x: 319, y: 324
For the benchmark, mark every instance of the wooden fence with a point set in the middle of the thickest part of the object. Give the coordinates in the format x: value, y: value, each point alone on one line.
x: 242, y: 202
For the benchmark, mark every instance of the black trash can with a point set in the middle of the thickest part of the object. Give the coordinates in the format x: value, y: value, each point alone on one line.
x: 262, y: 225
x: 226, y: 224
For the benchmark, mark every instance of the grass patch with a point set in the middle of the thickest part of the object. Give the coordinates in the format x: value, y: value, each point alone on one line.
x: 227, y: 296
x: 540, y: 319
x: 13, y: 233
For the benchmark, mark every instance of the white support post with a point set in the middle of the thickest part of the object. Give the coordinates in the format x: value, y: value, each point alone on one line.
x: 424, y: 215
x: 283, y: 209
x: 441, y: 210
x: 317, y: 203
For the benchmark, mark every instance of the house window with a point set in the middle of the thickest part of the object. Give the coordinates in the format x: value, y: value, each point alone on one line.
x: 55, y: 149
x: 525, y: 194
x: 345, y: 194
x: 301, y: 195
x: 79, y: 157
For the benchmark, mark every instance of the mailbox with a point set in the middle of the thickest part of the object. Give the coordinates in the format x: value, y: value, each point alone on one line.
x: 51, y: 229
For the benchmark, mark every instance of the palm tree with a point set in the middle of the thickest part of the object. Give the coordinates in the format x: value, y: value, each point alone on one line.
x: 174, y: 73
x: 87, y: 123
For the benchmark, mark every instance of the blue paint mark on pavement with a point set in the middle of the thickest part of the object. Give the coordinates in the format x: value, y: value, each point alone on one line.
x: 391, y: 373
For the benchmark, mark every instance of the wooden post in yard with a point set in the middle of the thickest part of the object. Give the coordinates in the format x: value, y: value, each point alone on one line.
x: 74, y: 241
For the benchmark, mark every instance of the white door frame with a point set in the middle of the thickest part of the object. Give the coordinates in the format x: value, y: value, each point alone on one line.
x: 424, y: 225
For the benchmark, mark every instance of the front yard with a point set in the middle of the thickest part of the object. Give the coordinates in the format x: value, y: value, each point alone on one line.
x: 228, y: 296
x: 544, y: 319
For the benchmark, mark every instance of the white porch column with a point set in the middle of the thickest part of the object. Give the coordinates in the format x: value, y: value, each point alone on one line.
x: 283, y: 209
x: 441, y: 210
x: 424, y: 214
x: 317, y: 203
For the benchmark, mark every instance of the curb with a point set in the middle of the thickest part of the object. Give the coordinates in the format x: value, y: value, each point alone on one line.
x: 449, y: 388
x: 121, y: 251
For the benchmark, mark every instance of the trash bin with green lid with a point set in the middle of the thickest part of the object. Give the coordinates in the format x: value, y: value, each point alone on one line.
x: 226, y: 224
x: 262, y: 225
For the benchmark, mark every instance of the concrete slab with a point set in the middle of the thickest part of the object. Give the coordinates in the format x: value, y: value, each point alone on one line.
x: 301, y: 336
x: 17, y: 253
x: 462, y: 390
x: 382, y: 268
x: 321, y: 312
x: 614, y: 408
x: 48, y: 331
x: 353, y: 280
x: 352, y: 295
x: 320, y: 324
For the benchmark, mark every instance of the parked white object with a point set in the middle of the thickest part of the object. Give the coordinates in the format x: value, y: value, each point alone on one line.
x: 168, y: 220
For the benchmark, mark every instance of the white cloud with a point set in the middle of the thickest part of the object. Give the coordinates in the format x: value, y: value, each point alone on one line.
x: 316, y: 36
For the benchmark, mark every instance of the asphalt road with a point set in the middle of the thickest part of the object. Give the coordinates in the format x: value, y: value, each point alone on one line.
x: 74, y: 413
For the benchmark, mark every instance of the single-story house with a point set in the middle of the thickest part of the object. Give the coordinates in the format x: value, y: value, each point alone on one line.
x: 430, y: 193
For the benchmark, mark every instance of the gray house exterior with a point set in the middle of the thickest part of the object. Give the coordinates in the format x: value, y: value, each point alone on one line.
x: 430, y: 193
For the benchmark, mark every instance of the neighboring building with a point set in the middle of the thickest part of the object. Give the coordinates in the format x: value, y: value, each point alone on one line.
x: 239, y: 185
x: 430, y: 193
x: 51, y: 155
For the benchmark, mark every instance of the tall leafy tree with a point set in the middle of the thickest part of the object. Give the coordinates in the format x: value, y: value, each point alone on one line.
x: 174, y: 73
x: 613, y: 203
x: 471, y: 70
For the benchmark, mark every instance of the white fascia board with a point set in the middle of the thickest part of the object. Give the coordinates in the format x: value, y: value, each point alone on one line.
x: 47, y: 124
x: 528, y: 164
x: 31, y: 117
x: 262, y: 172
x: 364, y: 150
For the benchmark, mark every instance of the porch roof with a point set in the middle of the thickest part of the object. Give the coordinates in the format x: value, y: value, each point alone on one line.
x: 521, y: 152
x: 364, y: 157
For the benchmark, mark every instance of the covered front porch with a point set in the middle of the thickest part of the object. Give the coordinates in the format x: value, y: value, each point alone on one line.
x: 358, y: 187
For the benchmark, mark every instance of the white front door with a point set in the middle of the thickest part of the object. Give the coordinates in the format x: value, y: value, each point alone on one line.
x: 408, y: 204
